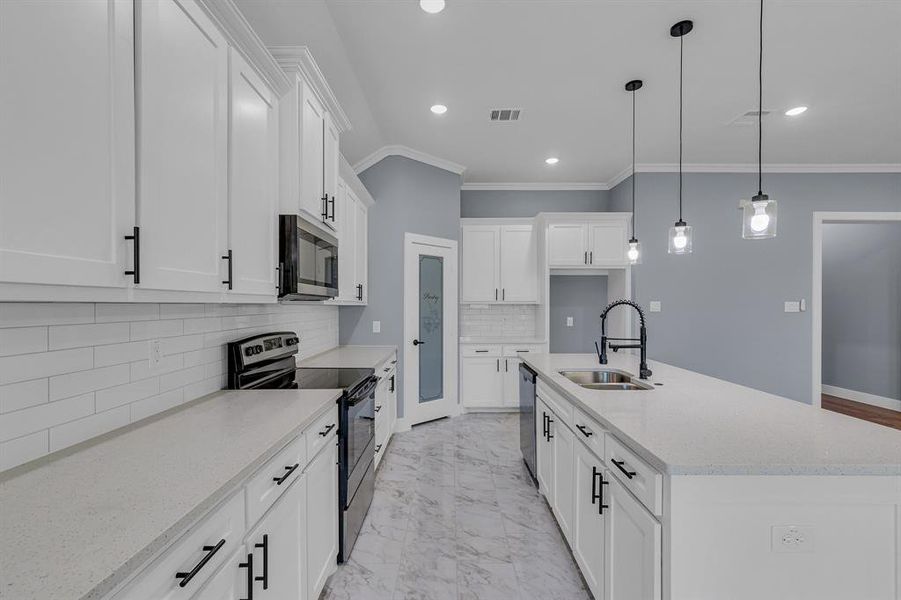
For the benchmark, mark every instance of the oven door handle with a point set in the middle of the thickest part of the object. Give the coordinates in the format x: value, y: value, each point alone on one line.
x: 363, y: 392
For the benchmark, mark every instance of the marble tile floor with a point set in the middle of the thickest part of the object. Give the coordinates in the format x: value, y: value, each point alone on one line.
x: 456, y: 517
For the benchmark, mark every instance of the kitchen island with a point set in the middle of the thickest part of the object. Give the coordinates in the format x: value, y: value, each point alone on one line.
x: 703, y: 489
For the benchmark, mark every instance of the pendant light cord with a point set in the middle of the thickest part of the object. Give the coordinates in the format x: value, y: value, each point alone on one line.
x: 760, y: 109
x: 633, y: 164
x: 681, y: 43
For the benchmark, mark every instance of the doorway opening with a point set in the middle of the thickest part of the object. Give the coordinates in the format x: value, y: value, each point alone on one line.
x: 857, y: 315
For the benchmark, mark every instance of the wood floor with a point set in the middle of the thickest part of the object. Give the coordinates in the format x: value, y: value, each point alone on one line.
x: 867, y: 412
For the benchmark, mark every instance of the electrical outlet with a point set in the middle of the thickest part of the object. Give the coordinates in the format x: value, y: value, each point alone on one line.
x: 792, y: 306
x: 655, y: 305
x: 155, y: 355
x: 376, y: 327
x: 569, y: 321
x: 792, y: 538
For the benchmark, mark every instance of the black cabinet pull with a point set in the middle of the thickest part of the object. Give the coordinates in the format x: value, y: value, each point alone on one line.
x: 325, y: 431
x: 332, y: 202
x: 394, y: 362
x: 498, y: 365
x: 544, y: 424
x: 228, y: 257
x: 289, y: 470
x: 325, y: 207
x: 585, y: 431
x: 481, y: 351
x: 586, y: 257
x: 249, y: 566
x: 506, y: 366
x: 210, y: 551
x: 550, y: 434
x: 377, y: 448
x: 597, y: 491
x: 391, y: 389
x: 360, y: 292
x: 265, y: 576
x: 620, y: 464
x: 417, y: 342
x: 378, y: 408
x: 136, y: 254
x: 495, y: 293
x: 591, y: 257
x: 503, y: 293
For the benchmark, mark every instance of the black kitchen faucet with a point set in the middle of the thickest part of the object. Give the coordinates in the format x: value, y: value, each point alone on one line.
x: 644, y: 372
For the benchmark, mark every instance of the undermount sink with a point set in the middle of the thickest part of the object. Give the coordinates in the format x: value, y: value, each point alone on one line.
x: 605, y: 379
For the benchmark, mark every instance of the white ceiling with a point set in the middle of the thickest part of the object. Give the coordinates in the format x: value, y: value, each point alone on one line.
x: 564, y: 62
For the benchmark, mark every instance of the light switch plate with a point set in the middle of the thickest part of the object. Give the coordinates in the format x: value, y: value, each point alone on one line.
x: 376, y: 327
x: 569, y: 321
x: 655, y: 305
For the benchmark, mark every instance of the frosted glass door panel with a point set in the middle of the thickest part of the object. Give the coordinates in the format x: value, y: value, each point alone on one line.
x: 431, y: 328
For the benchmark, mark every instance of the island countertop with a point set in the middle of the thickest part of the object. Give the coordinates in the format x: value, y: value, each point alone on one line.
x: 694, y: 424
x: 77, y: 524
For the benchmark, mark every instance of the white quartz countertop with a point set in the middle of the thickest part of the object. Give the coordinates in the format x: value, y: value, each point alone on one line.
x: 500, y: 341
x: 76, y: 525
x: 350, y: 357
x: 699, y: 425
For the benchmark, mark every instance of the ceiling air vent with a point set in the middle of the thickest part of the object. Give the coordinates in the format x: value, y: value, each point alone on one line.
x: 505, y: 114
x: 748, y: 117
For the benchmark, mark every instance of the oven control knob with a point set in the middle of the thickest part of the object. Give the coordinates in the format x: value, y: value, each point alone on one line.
x: 258, y: 348
x: 248, y: 351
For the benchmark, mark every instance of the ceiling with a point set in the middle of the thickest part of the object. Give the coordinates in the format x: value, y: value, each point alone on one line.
x: 564, y: 63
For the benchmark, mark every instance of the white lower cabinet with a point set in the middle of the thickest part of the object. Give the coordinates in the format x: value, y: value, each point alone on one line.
x: 483, y: 383
x: 589, y: 518
x: 322, y: 519
x: 614, y: 538
x: 511, y: 382
x: 277, y: 547
x: 632, y: 568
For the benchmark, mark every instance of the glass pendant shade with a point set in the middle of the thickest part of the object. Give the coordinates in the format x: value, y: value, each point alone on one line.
x: 680, y: 238
x: 633, y: 253
x: 758, y: 218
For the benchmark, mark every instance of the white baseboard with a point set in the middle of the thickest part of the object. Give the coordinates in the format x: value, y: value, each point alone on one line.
x: 864, y: 397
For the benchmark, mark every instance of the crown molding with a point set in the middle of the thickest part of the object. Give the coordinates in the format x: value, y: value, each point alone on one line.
x: 752, y: 168
x: 242, y: 37
x: 407, y: 152
x: 537, y: 187
x: 346, y: 172
x: 299, y: 60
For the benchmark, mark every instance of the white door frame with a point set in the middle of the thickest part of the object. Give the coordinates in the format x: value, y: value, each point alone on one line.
x: 816, y: 298
x: 412, y: 244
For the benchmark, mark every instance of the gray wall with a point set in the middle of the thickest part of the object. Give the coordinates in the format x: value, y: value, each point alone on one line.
x: 580, y: 297
x: 513, y: 203
x: 410, y: 197
x: 862, y: 307
x: 723, y: 305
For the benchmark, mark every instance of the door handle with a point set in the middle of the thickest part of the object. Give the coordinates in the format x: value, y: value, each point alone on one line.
x: 136, y: 260
x: 417, y: 342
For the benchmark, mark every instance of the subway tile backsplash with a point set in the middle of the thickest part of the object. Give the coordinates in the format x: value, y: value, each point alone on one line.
x: 73, y: 371
x: 498, y: 321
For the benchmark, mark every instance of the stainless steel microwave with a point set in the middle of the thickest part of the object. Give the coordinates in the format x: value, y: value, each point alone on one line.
x: 308, y: 260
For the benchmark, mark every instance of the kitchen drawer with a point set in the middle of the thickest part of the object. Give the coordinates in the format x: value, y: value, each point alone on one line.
x: 384, y: 368
x: 644, y: 481
x: 514, y: 349
x: 556, y: 402
x: 201, y: 551
x: 273, y: 478
x: 482, y: 350
x: 590, y: 432
x: 320, y: 433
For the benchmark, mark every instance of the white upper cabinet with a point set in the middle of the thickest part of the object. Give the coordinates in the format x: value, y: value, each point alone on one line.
x: 253, y: 177
x: 499, y: 263
x: 519, y: 263
x: 567, y: 244
x: 352, y: 223
x: 595, y: 241
x: 361, y: 249
x: 182, y: 125
x: 312, y: 159
x: 480, y: 248
x: 330, y: 170
x: 67, y: 151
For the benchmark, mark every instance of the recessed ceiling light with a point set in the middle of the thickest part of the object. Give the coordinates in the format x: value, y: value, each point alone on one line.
x: 432, y: 6
x: 794, y: 112
x: 553, y: 160
x: 439, y: 109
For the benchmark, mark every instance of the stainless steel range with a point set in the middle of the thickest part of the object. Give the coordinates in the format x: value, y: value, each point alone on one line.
x: 267, y: 362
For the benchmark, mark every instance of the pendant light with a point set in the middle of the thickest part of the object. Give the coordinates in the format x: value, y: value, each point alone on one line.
x: 759, y: 213
x: 634, y: 251
x: 680, y: 232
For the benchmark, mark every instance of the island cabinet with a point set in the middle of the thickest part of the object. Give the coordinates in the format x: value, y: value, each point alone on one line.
x: 613, y: 535
x: 499, y: 261
x: 588, y: 241
x: 276, y: 537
